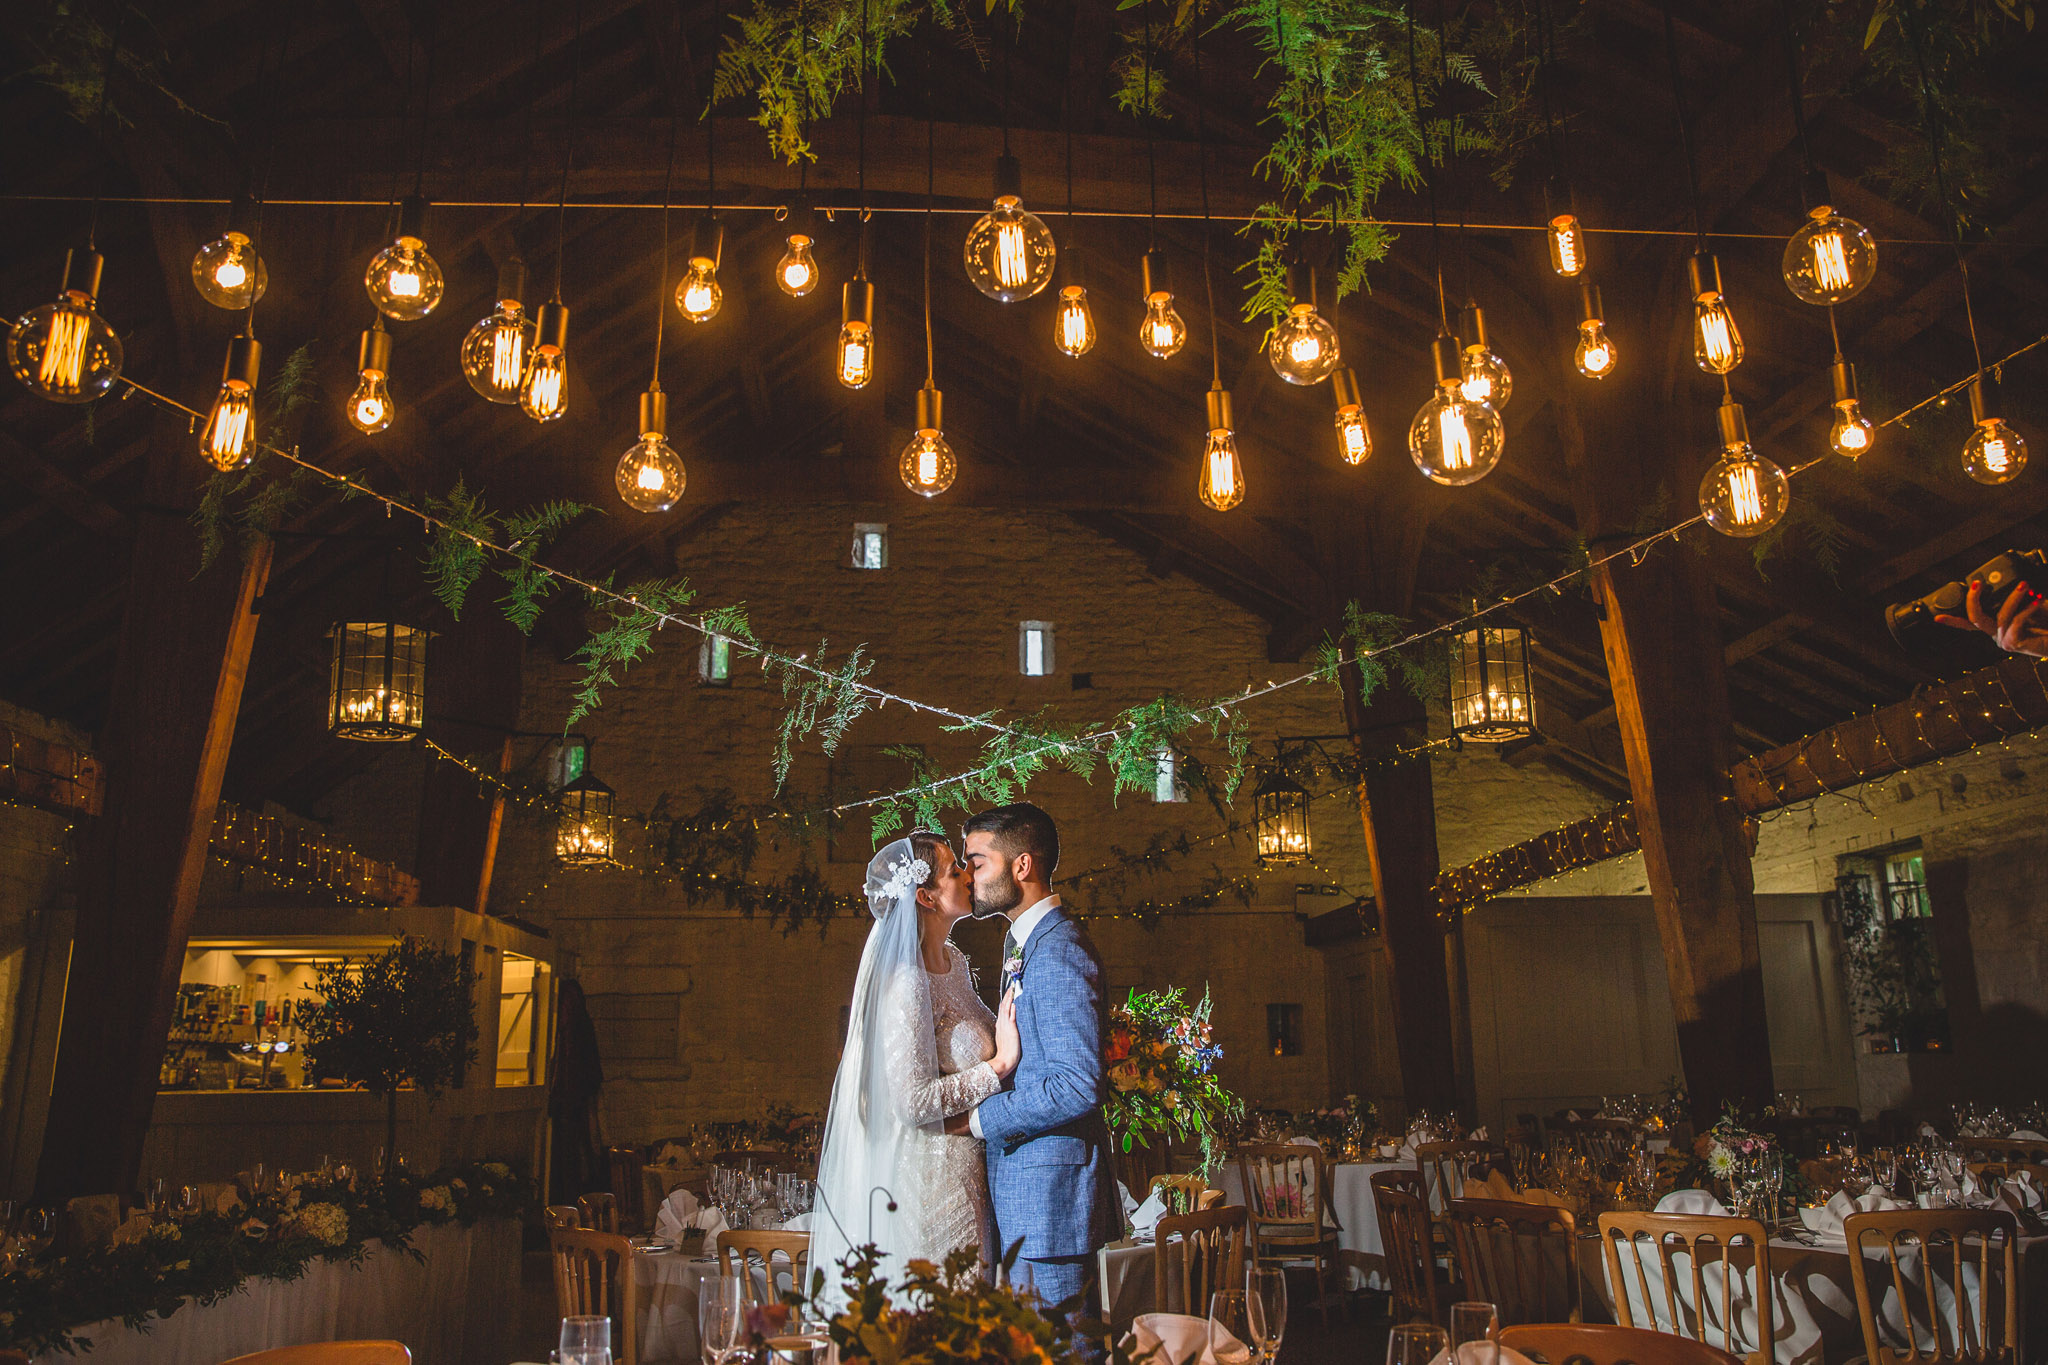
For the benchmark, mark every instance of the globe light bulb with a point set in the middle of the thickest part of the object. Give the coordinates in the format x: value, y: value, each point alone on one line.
x: 856, y: 362
x: 228, y: 440
x: 650, y: 476
x: 1162, y: 332
x: 495, y: 351
x: 1995, y: 453
x: 1483, y: 376
x: 1009, y: 253
x: 1454, y: 440
x: 1354, y: 438
x: 1222, y: 482
x: 927, y: 464
x: 370, y: 407
x: 64, y: 350
x: 796, y: 274
x: 1595, y: 354
x: 1830, y: 260
x: 403, y: 280
x: 1074, y: 328
x: 1303, y: 348
x: 544, y: 389
x: 1716, y: 343
x: 1567, y: 245
x: 226, y: 270
x: 1850, y: 432
x: 1743, y: 494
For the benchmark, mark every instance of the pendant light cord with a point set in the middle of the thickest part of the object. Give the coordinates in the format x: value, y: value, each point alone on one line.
x: 1546, y: 75
x: 569, y: 148
x: 1692, y: 169
x: 860, y: 134
x: 1436, y: 231
x: 526, y: 121
x: 661, y: 286
x: 1794, y: 82
x: 930, y: 182
x: 1202, y: 177
x: 431, y: 45
x: 284, y: 42
x: 1151, y: 161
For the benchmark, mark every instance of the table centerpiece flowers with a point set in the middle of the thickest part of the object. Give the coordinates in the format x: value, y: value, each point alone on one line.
x: 1161, y: 1056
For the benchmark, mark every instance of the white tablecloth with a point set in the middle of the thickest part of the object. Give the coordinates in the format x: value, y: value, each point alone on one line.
x: 1128, y: 1289
x: 450, y: 1309
x: 1358, y: 1218
x: 668, y: 1283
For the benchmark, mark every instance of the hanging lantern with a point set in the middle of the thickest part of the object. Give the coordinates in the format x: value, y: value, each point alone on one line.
x: 378, y: 691
x: 584, y: 836
x: 1492, y: 697
x: 1282, y: 807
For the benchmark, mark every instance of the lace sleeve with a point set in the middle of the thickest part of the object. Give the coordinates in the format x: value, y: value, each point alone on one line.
x: 911, y: 1050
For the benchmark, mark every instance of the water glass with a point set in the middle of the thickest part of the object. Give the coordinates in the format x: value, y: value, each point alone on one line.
x: 721, y: 1319
x: 1415, y: 1343
x: 586, y: 1341
x: 1229, y: 1327
x: 1265, y: 1302
x: 1474, y: 1334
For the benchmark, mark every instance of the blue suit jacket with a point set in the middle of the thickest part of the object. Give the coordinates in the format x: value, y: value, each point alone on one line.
x: 1050, y: 1173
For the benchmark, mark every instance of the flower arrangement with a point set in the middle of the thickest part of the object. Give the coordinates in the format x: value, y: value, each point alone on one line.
x: 1340, y: 1128
x: 1161, y: 1054
x: 45, y: 1300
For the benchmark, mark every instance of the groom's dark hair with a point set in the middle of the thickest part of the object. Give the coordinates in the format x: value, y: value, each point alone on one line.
x: 1020, y: 827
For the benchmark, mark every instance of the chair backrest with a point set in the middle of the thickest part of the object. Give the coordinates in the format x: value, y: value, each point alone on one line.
x: 764, y: 1158
x: 1522, y: 1258
x: 562, y: 1216
x: 1925, y: 1257
x: 1286, y: 1186
x: 1184, y: 1193
x: 1571, y: 1343
x: 738, y: 1251
x: 1644, y: 1252
x: 1198, y: 1253
x: 322, y: 1353
x: 594, y: 1276
x: 629, y: 1190
x: 1444, y: 1167
x: 1599, y: 1140
x: 2008, y: 1150
x: 600, y: 1211
x: 1405, y: 1238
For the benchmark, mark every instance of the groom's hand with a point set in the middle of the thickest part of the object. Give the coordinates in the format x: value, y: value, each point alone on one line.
x: 956, y: 1126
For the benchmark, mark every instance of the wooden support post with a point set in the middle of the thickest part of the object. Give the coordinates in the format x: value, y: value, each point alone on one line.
x: 178, y: 676
x: 473, y: 688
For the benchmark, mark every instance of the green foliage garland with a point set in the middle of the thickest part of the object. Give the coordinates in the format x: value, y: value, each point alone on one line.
x: 627, y: 638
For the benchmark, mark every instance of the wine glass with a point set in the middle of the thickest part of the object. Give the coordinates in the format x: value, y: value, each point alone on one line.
x: 586, y: 1341
x: 1229, y: 1327
x: 1265, y: 1302
x: 721, y: 1318
x: 1474, y: 1329
x: 1414, y: 1343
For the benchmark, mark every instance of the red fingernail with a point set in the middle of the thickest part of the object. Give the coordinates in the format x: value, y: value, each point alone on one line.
x: 1976, y: 582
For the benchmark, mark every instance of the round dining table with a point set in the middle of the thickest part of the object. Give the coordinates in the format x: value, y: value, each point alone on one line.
x: 1351, y: 1205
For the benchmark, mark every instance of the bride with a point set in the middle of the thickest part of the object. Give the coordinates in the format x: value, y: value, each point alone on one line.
x: 921, y: 1048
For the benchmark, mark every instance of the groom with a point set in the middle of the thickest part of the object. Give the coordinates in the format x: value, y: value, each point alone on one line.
x: 1050, y: 1174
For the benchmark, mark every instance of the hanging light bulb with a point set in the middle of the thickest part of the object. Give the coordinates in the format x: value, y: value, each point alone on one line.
x: 1009, y: 253
x: 1354, y: 441
x: 1743, y: 494
x: 1454, y: 439
x: 1303, y: 347
x: 857, y: 332
x: 1567, y: 238
x: 228, y: 441
x: 1850, y: 433
x: 699, y: 294
x: 226, y: 270
x: 1483, y: 376
x: 927, y: 464
x: 1830, y: 260
x: 544, y: 391
x: 1995, y: 453
x: 369, y: 407
x: 796, y: 274
x: 1073, y: 328
x: 1162, y: 331
x: 403, y: 280
x: 1716, y: 344
x: 650, y: 475
x: 494, y: 353
x: 1222, y: 484
x: 64, y: 350
x: 1595, y: 355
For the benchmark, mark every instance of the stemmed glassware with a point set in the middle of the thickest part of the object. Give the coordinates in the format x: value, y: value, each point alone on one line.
x: 1475, y: 1329
x: 1265, y: 1301
x: 721, y: 1319
x: 585, y: 1341
x: 1229, y: 1327
x: 1415, y: 1343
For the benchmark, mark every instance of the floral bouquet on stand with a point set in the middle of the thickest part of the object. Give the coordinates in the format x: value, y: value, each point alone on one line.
x: 1747, y: 1163
x: 1342, y: 1129
x: 1161, y: 1055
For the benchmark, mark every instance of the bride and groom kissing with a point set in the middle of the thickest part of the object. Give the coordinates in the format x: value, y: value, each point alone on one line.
x: 951, y: 1126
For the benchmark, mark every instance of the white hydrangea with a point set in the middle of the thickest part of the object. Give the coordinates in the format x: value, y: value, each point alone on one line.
x: 497, y: 1170
x: 437, y: 1199
x: 326, y: 1223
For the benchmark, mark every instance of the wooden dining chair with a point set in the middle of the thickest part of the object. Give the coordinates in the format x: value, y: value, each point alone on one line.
x: 562, y: 1216
x: 594, y: 1278
x: 1185, y: 1193
x: 600, y: 1211
x: 1522, y: 1258
x: 1286, y: 1189
x: 1643, y: 1250
x: 1585, y: 1343
x: 2008, y: 1150
x: 737, y: 1252
x: 326, y: 1353
x: 1199, y: 1253
x: 1410, y: 1252
x: 1922, y: 1257
x: 1603, y: 1141
x: 629, y: 1189
x: 1446, y: 1166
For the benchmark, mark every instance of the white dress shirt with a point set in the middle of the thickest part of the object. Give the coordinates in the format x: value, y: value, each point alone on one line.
x: 1021, y: 928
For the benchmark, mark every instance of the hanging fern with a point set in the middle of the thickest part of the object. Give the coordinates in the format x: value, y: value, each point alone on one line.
x: 821, y: 701
x: 635, y: 614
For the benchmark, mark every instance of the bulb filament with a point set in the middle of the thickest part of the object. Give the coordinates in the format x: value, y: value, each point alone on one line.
x: 508, y: 357
x: 1305, y: 349
x: 1996, y: 459
x: 1012, y: 269
x: 1478, y: 388
x: 796, y: 275
x: 1745, y: 499
x: 927, y: 464
x: 63, y: 364
x: 1353, y: 436
x: 697, y: 298
x: 1565, y: 248
x: 230, y: 274
x: 853, y: 357
x: 1456, y: 437
x: 369, y: 412
x: 1073, y: 326
x: 1830, y: 261
x: 544, y: 385
x: 651, y: 477
x: 227, y: 430
x: 405, y: 283
x: 1718, y: 351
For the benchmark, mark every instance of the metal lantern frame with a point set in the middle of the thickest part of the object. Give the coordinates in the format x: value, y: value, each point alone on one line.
x: 1493, y: 692
x: 377, y: 687
x: 587, y: 833
x: 1281, y: 805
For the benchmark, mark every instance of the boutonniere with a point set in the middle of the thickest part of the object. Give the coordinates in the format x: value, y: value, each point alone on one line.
x: 1013, y: 971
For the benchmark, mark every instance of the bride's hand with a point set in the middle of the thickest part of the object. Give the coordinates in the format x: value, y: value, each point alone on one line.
x: 1009, y: 1047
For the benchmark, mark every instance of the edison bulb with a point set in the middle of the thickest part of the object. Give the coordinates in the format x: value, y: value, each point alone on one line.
x: 370, y: 407
x: 1222, y: 484
x: 494, y: 352
x: 1830, y: 260
x: 796, y: 274
x: 1484, y: 377
x: 1995, y: 453
x: 1009, y: 253
x: 856, y: 354
x: 927, y: 464
x: 228, y: 273
x: 1074, y: 329
x: 650, y: 476
x: 228, y: 440
x: 1850, y: 433
x: 1743, y: 494
x: 544, y: 394
x: 404, y: 281
x: 1567, y: 245
x: 1716, y: 343
x: 1453, y: 439
x: 1162, y: 331
x: 1595, y: 355
x: 699, y: 294
x: 1354, y: 440
x: 65, y: 350
x: 1303, y: 348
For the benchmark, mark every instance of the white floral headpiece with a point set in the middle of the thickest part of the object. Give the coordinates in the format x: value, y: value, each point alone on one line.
x: 904, y: 875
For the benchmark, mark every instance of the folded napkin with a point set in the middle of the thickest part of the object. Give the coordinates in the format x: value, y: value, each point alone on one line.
x: 1827, y: 1220
x: 1145, y: 1218
x: 800, y: 1223
x: 681, y: 1212
x: 1478, y: 1134
x: 2028, y: 1135
x: 1123, y: 1194
x: 1692, y: 1201
x: 1303, y: 1142
x: 1473, y: 1352
x: 670, y: 1154
x: 1180, y: 1339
